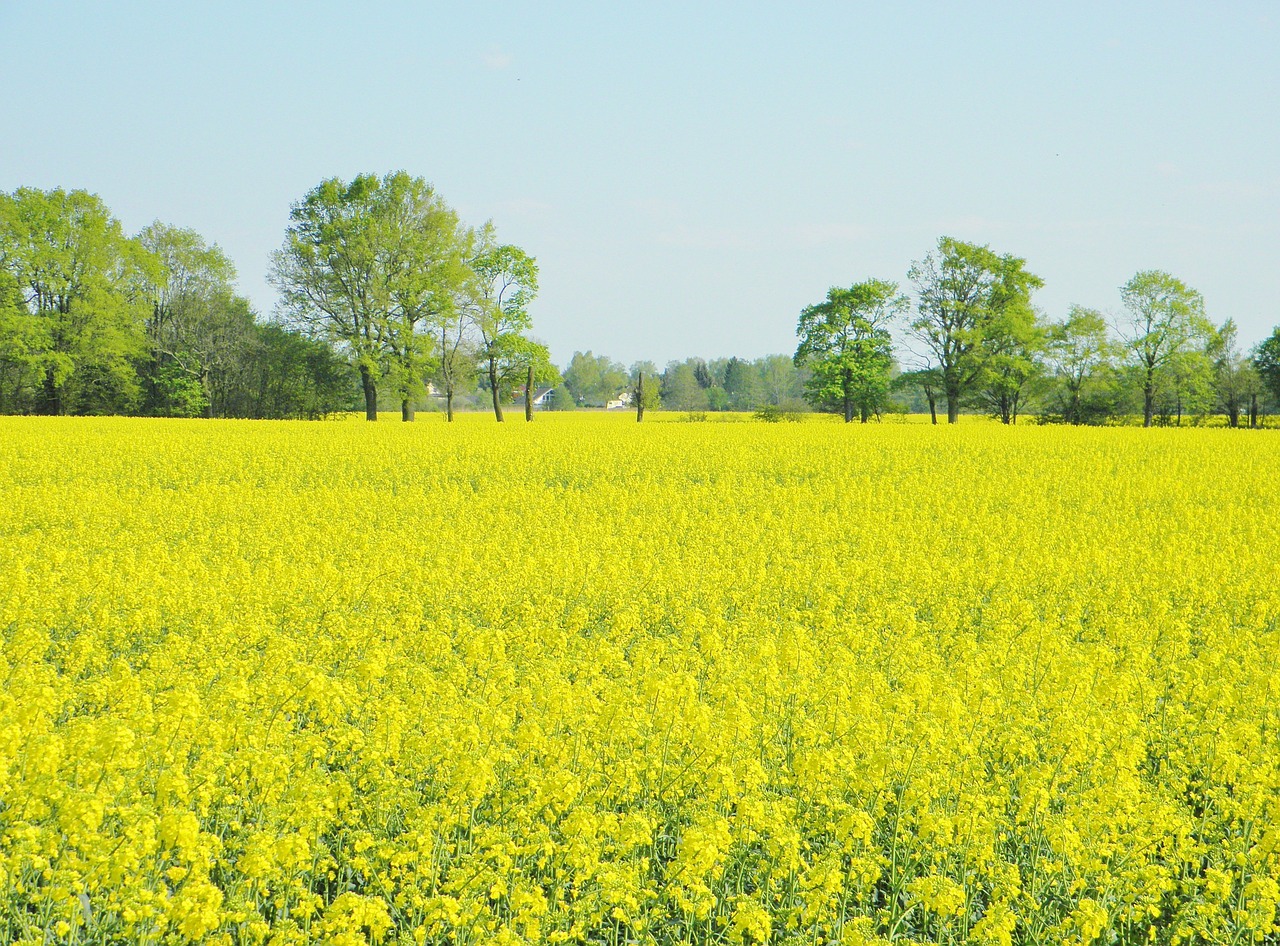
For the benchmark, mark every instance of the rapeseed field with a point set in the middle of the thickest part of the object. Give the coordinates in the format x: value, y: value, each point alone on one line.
x: 588, y: 681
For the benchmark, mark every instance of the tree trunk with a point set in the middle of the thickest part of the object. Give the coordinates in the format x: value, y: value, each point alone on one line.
x: 206, y: 386
x: 406, y: 409
x: 953, y: 407
x: 1148, y: 402
x: 370, y: 393
x: 640, y: 397
x: 448, y: 403
x: 493, y: 389
x: 866, y: 414
x: 1233, y: 414
x: 1253, y: 411
x: 933, y: 406
x: 846, y: 383
x: 528, y: 396
x: 52, y: 395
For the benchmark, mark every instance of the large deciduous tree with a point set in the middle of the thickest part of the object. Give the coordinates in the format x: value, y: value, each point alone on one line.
x: 927, y: 381
x: 428, y: 250
x: 965, y: 294
x: 1015, y: 342
x: 197, y: 327
x: 1165, y: 318
x: 78, y: 319
x: 333, y: 273
x: 1266, y: 362
x: 1079, y: 355
x: 845, y: 343
x: 1235, y: 381
x: 506, y: 282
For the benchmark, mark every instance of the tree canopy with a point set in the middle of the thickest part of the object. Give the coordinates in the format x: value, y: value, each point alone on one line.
x: 845, y: 343
x: 968, y: 300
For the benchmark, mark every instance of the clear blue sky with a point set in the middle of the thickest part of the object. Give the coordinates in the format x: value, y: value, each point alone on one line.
x: 688, y: 175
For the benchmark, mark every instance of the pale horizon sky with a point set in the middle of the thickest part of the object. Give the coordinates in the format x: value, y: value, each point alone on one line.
x: 689, y: 176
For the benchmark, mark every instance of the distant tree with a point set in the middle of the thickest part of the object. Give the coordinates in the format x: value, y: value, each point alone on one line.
x: 81, y: 282
x: 964, y: 294
x: 845, y: 343
x: 594, y: 380
x: 333, y: 277
x: 197, y: 327
x: 1234, y: 377
x: 742, y: 384
x: 1079, y: 355
x: 1186, y: 388
x: 507, y: 281
x: 781, y: 382
x: 286, y: 374
x: 1166, y: 318
x: 926, y: 380
x: 1266, y: 363
x: 427, y: 269
x: 644, y: 384
x: 648, y: 367
x: 581, y: 375
x: 1015, y: 342
x: 455, y: 355
x: 681, y: 390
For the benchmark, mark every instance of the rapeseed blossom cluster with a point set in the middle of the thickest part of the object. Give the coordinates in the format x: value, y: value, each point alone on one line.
x: 587, y: 681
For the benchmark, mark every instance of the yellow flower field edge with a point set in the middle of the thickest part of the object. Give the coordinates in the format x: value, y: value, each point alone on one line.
x: 588, y: 681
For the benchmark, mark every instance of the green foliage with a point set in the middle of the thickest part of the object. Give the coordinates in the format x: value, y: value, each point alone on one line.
x: 772, y: 414
x: 845, y: 343
x: 649, y: 395
x: 1266, y: 362
x: 1235, y: 381
x: 968, y: 299
x: 1015, y: 340
x: 334, y: 273
x: 383, y: 269
x: 1166, y: 320
x: 561, y: 399
x: 1080, y: 358
x: 1185, y: 388
x: 920, y: 382
x: 78, y: 326
x: 742, y: 385
x: 197, y: 327
x: 175, y: 393
x: 428, y: 277
x: 594, y: 380
x: 285, y: 374
x: 25, y: 348
x: 681, y: 389
x: 506, y: 282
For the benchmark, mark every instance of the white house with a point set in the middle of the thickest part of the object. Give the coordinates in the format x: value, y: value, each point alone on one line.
x: 543, y: 397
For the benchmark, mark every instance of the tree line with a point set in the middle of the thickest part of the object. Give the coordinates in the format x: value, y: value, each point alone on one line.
x: 693, y: 384
x: 386, y: 295
x: 94, y: 321
x: 980, y: 344
x: 378, y: 278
